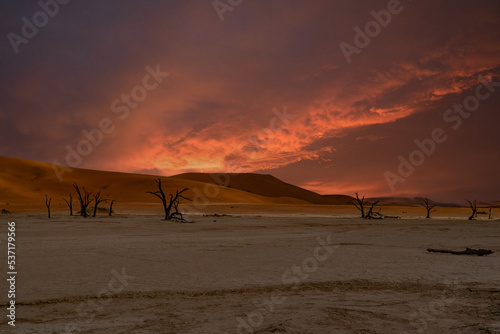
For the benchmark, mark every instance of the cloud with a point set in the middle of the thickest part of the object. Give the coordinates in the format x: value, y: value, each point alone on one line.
x: 215, y: 110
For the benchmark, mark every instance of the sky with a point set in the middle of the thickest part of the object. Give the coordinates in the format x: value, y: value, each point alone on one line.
x: 386, y: 98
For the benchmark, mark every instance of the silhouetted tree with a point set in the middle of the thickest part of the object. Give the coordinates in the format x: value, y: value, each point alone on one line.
x: 172, y: 203
x: 97, y: 200
x: 47, y: 203
x: 84, y: 199
x: 473, y: 207
x: 428, y: 206
x: 111, y: 206
x: 69, y: 203
x: 360, y: 204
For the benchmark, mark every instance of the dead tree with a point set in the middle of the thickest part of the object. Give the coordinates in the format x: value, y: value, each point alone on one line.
x: 111, y: 206
x: 360, y: 204
x: 172, y: 203
x: 428, y: 206
x: 97, y: 200
x: 374, y: 215
x: 69, y: 204
x: 473, y: 207
x: 176, y: 200
x: 84, y: 199
x: 47, y: 203
x: 176, y: 214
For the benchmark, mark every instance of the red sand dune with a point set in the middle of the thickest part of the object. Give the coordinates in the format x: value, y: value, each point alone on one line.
x: 265, y: 185
x: 24, y: 183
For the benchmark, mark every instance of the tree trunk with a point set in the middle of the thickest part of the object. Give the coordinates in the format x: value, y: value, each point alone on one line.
x: 47, y: 203
x: 473, y: 207
x: 98, y: 200
x: 111, y: 207
x: 69, y: 204
x: 467, y: 251
x: 167, y: 210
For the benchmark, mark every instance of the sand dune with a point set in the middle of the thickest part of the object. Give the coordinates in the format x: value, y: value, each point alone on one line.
x: 265, y: 185
x: 24, y: 183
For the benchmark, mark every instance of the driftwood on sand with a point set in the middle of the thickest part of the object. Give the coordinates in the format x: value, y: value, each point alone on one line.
x: 467, y: 251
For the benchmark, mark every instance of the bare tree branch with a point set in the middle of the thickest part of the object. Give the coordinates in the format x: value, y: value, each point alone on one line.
x: 374, y: 215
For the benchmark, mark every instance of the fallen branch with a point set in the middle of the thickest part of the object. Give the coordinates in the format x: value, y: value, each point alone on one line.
x: 179, y: 217
x: 374, y: 215
x: 467, y: 251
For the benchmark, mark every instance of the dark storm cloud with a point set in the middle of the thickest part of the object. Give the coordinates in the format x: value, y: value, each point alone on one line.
x: 230, y: 80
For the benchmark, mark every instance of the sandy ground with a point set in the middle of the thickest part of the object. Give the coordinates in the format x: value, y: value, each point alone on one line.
x: 272, y: 273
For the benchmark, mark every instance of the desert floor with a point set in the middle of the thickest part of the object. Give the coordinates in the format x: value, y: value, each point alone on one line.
x: 269, y: 273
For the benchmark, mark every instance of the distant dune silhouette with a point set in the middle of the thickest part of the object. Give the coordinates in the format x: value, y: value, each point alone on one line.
x: 268, y: 186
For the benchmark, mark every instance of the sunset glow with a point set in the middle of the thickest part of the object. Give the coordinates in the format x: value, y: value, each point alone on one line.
x: 267, y: 90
